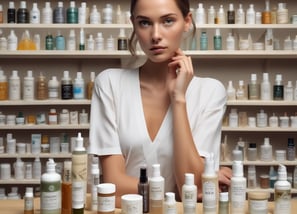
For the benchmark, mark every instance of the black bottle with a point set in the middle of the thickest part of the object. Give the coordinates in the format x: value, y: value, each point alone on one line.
x: 143, y: 189
x: 11, y: 13
x: 23, y: 13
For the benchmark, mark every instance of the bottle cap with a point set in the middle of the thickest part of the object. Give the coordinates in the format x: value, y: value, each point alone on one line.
x: 23, y: 5
x: 50, y: 165
x: 291, y: 142
x: 106, y: 188
x: 29, y: 73
x: 11, y: 5
x: 265, y: 76
x: 170, y: 197
x: 218, y: 32
x: 79, y: 143
x: 53, y: 111
x: 231, y: 7
x: 282, y: 173
x: 252, y: 145
x: 79, y: 75
x: 290, y: 84
x: 237, y: 168
x: 241, y: 83
x: 209, y: 168
x: 72, y: 4
x: 60, y: 4
x: 278, y: 77
x: 143, y: 175
x: 224, y: 196
x: 266, y: 141
x: 47, y: 4
x: 29, y: 192
x: 84, y: 4
x: 156, y: 170
x: 254, y: 77
x: 122, y: 33
x: 66, y: 74
x: 92, y: 76
x: 189, y: 179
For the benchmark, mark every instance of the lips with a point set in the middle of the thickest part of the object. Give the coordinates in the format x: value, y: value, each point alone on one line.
x: 157, y: 49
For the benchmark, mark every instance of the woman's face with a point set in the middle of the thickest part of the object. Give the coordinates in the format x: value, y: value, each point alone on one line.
x: 159, y: 26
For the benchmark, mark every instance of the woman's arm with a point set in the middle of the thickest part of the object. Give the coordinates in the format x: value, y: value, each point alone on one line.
x: 113, y: 171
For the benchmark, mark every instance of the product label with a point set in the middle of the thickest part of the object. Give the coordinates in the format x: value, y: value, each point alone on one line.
x: 209, y: 194
x: 106, y: 204
x: 282, y: 200
x: 67, y: 91
x: 238, y: 194
x: 29, y: 203
x: 50, y: 198
x: 189, y: 201
x: 258, y: 205
x: 3, y: 90
x: 156, y: 191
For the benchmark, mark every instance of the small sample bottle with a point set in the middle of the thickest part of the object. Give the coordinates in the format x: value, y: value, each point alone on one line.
x: 14, y: 86
x: 262, y: 119
x: 203, y: 41
x: 210, y: 188
x: 59, y: 14
x: 90, y: 85
x: 189, y: 194
x: 143, y: 190
x: 266, y: 14
x: 99, y: 42
x: 156, y: 190
x: 230, y: 91
x: 241, y: 91
x: 231, y: 14
x: 122, y: 40
x: 233, y: 118
x: 217, y: 40
x: 266, y: 151
x: 66, y: 86
x: 11, y: 12
x: 28, y: 86
x: 265, y: 92
x: 23, y: 13
x: 240, y: 15
x: 36, y: 168
x: 90, y: 43
x: 42, y: 90
x: 52, y: 117
x: 29, y: 201
x: 170, y: 206
x: 53, y: 88
x: 252, y: 177
x: 278, y: 88
x: 273, y: 121
x: 3, y: 86
x: 12, y: 41
x: 35, y: 14
x: 72, y: 13
x: 107, y: 14
x: 47, y: 14
x: 79, y: 87
x: 251, y: 15
x: 110, y: 44
x: 238, y: 188
x: 252, y: 153
x: 289, y: 92
x: 119, y: 15
x: 291, y: 150
x: 223, y: 203
x: 282, y: 192
x: 50, y: 195
x: 106, y: 198
x: 200, y: 14
x: 253, y: 88
x: 67, y: 188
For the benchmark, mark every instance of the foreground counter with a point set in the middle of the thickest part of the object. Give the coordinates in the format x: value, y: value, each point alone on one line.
x: 17, y: 207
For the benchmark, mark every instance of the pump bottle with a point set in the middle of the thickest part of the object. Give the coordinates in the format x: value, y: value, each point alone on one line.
x: 50, y: 196
x: 189, y: 194
x: 143, y: 189
x: 282, y: 192
x: 238, y: 188
x: 210, y: 189
x: 79, y: 175
x: 156, y: 188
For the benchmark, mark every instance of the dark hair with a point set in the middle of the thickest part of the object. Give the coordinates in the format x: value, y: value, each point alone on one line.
x: 183, y: 5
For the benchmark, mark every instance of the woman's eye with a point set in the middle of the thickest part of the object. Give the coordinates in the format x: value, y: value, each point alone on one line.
x: 144, y: 23
x: 168, y: 21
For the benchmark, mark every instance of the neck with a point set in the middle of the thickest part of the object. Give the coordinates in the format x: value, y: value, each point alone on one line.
x: 156, y: 72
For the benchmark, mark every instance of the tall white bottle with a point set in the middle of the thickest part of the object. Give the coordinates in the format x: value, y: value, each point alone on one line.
x: 35, y: 14
x: 265, y: 90
x: 47, y: 14
x: 79, y: 174
x: 156, y: 190
x: 282, y: 192
x: 189, y: 194
x: 238, y: 189
x: 200, y: 14
x: 95, y: 176
x: 14, y: 85
x: 28, y: 86
x: 210, y: 187
x: 50, y: 196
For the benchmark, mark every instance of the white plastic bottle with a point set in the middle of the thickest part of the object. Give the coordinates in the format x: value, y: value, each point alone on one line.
x: 14, y: 85
x: 35, y: 14
x: 79, y: 174
x: 230, y: 42
x: 240, y: 15
x: 251, y: 15
x: 295, y: 91
x: 95, y: 17
x: 266, y: 151
x: 37, y: 168
x: 231, y: 91
x: 289, y: 91
x: 200, y: 14
x: 50, y: 191
x: 156, y: 190
x: 221, y: 15
x: 210, y: 186
x: 241, y: 91
x: 82, y: 39
x: 79, y: 86
x: 238, y: 189
x: 53, y: 88
x: 189, y: 194
x: 12, y: 41
x: 265, y: 88
x: 47, y: 14
x: 108, y: 14
x: 90, y: 43
x: 211, y: 15
x: 170, y: 206
x: 99, y: 42
x: 71, y: 42
x: 28, y: 86
x: 282, y: 192
x: 95, y: 176
x: 83, y: 13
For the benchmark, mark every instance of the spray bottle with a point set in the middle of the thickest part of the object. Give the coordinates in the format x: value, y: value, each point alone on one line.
x: 79, y: 175
x: 50, y: 187
x: 156, y: 188
x: 210, y: 189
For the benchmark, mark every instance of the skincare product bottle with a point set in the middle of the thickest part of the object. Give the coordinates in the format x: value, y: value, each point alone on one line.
x: 23, y: 13
x: 291, y: 150
x: 224, y: 203
x: 79, y: 174
x: 71, y: 42
x: 203, y: 41
x: 37, y: 168
x: 67, y: 188
x: 99, y: 42
x: 241, y: 147
x: 156, y: 191
x: 230, y: 42
x: 47, y: 14
x: 82, y: 39
x: 110, y: 43
x: 266, y: 14
x: 119, y: 15
x: 41, y: 88
x: 49, y: 42
x: 252, y: 177
x: 289, y: 92
x: 50, y: 195
x: 83, y: 13
x: 79, y: 86
x: 237, y: 154
x: 53, y: 88
x: 12, y: 41
x: 200, y: 14
x: 210, y: 186
x: 253, y: 88
x: 11, y: 12
x: 217, y: 40
x: 90, y: 85
x: 272, y: 177
x: 35, y: 14
x: 262, y: 120
x: 72, y: 13
x: 252, y: 154
x: 273, y: 121
x: 3, y: 86
x: 29, y: 201
x: 122, y: 40
x: 282, y: 192
x: 95, y: 177
x: 288, y: 44
x: 231, y: 14
x: 143, y: 189
x: 282, y: 14
x: 189, y: 194
x: 278, y: 88
x: 106, y: 198
x: 265, y: 87
x: 66, y: 86
x: 14, y: 86
x: 233, y: 118
x: 295, y: 177
x: 211, y: 15
x: 170, y: 206
x: 266, y: 151
x: 240, y: 15
x: 221, y: 16
x: 95, y: 17
x: 241, y: 91
x: 230, y: 91
x: 59, y: 14
x: 251, y: 15
x: 269, y: 39
x: 238, y: 188
x: 60, y: 41
x: 90, y: 43
x: 107, y: 14
x: 28, y: 86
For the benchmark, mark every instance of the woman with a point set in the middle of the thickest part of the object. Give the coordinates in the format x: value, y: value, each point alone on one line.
x: 160, y: 112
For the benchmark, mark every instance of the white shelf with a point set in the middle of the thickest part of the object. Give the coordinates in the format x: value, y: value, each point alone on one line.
x: 257, y: 129
x: 57, y: 102
x: 24, y: 181
x: 261, y: 163
x: 45, y: 127
x: 41, y: 155
x: 270, y: 190
x: 261, y: 103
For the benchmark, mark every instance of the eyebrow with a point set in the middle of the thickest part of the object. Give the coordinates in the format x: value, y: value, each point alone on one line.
x: 164, y: 16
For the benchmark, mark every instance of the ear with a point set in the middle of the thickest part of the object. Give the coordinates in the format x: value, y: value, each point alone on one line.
x: 188, y: 22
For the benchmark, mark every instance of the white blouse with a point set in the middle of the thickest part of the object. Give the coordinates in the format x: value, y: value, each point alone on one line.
x: 117, y: 124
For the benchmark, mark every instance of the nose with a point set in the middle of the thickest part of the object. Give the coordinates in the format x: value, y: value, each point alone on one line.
x: 156, y: 36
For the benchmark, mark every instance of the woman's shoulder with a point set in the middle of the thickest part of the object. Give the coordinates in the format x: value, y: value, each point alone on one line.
x: 206, y: 84
x: 114, y: 74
